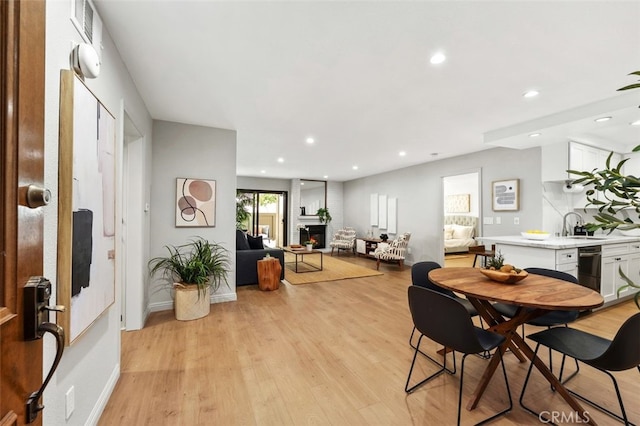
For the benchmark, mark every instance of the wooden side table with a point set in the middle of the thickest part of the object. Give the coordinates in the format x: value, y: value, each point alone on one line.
x: 482, y: 252
x: 269, y: 274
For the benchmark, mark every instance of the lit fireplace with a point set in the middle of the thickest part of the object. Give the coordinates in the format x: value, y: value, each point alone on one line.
x: 317, y: 232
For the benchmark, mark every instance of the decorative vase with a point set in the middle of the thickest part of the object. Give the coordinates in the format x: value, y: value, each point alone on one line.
x: 309, y: 247
x: 189, y: 303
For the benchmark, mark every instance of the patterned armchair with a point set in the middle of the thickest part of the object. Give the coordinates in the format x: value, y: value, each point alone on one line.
x: 394, y: 251
x: 344, y: 239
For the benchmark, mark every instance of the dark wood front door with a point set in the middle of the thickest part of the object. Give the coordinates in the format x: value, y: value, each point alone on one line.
x: 22, y: 32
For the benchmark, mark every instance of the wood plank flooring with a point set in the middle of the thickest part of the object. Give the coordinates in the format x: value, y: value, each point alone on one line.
x: 333, y: 353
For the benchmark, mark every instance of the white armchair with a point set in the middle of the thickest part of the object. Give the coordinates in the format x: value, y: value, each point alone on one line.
x: 394, y: 251
x: 344, y: 239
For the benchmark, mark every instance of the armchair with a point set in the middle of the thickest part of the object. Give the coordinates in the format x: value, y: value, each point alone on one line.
x: 394, y: 251
x: 344, y: 239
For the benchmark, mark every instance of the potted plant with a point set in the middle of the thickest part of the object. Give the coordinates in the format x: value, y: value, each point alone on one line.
x: 243, y: 204
x: 310, y: 243
x: 323, y: 215
x: 193, y: 270
x: 619, y: 198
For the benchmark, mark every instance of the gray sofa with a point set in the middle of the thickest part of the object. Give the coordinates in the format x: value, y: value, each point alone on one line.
x: 247, y: 258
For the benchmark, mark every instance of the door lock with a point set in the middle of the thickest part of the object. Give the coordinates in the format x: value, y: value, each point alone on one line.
x: 37, y: 196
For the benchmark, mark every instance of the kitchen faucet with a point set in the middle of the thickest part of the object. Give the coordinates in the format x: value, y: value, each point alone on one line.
x: 565, y: 231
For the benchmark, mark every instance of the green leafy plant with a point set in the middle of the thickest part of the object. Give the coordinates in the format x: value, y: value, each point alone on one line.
x: 621, y: 197
x: 495, y: 262
x: 198, y: 263
x: 629, y: 284
x: 323, y: 215
x: 243, y: 201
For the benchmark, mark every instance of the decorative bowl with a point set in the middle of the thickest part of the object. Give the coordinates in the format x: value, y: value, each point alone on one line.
x: 535, y: 236
x: 631, y: 232
x: 504, y: 277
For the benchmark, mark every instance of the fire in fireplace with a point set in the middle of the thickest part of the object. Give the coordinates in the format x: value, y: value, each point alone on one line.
x: 316, y: 232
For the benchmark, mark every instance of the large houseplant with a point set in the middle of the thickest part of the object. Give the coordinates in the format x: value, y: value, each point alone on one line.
x: 617, y: 198
x: 193, y: 270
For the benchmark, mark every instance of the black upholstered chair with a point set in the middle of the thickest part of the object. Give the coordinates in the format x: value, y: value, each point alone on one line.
x: 445, y: 320
x: 551, y: 319
x: 621, y: 353
x: 419, y: 277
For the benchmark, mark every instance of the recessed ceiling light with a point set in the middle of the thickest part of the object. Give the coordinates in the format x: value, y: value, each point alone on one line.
x: 301, y: 183
x: 325, y: 177
x: 434, y: 154
x: 534, y: 135
x: 263, y: 171
x: 531, y: 94
x: 280, y: 160
x: 355, y: 167
x: 438, y: 58
x: 601, y: 119
x: 402, y: 153
x: 310, y: 140
x: 636, y: 123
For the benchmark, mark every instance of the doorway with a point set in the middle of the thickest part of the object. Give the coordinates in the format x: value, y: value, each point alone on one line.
x: 461, y: 210
x: 134, y: 211
x: 266, y: 215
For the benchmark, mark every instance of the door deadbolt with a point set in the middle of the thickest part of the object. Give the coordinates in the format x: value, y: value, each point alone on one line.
x: 37, y: 196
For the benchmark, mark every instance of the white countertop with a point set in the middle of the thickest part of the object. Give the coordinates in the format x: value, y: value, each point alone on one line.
x: 557, y: 243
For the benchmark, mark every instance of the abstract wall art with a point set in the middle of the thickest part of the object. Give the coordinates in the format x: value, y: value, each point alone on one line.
x: 505, y: 195
x: 195, y: 202
x: 86, y: 207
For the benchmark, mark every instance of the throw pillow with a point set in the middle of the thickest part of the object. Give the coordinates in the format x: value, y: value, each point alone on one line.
x: 462, y: 232
x: 241, y: 240
x: 448, y: 234
x: 255, y: 243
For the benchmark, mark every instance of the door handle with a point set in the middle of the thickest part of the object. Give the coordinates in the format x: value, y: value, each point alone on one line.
x: 37, y: 196
x: 37, y: 292
x: 33, y: 406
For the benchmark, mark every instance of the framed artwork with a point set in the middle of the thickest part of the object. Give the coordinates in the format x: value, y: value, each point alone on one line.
x: 86, y: 207
x: 195, y: 202
x: 505, y: 195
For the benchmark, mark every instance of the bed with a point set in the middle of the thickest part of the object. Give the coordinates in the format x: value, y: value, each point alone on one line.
x: 460, y: 233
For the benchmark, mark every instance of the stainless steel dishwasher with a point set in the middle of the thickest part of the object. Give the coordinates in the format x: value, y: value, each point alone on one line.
x: 589, y: 261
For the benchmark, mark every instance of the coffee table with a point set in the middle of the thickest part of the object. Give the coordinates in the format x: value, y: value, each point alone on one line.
x: 299, y: 254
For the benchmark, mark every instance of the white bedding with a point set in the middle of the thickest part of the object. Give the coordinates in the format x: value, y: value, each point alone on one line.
x: 458, y: 238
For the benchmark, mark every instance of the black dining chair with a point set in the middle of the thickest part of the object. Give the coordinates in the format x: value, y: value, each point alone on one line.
x: 621, y: 353
x: 444, y: 320
x: 551, y: 319
x: 420, y: 277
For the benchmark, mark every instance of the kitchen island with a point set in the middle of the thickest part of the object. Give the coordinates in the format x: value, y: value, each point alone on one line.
x: 564, y: 254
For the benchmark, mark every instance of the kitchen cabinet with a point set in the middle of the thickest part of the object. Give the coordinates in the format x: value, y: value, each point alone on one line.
x: 565, y: 260
x: 558, y: 158
x: 616, y: 258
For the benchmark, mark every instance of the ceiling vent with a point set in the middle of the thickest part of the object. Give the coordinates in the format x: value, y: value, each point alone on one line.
x: 88, y: 23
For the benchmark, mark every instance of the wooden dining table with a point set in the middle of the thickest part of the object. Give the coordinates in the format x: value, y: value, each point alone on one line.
x: 535, y: 295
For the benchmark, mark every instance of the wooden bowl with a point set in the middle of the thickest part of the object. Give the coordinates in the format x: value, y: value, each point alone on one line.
x: 504, y: 277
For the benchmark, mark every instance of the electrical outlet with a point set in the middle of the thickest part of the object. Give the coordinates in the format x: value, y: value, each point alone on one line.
x: 487, y: 220
x: 516, y: 221
x: 408, y: 250
x: 498, y: 220
x: 70, y: 402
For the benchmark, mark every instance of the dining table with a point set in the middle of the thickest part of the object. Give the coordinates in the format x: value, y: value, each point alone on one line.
x: 535, y: 296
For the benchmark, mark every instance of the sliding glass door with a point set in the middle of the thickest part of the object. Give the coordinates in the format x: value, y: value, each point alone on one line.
x: 266, y: 215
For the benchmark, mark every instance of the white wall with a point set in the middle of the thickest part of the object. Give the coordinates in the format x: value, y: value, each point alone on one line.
x: 91, y: 364
x: 187, y: 151
x: 419, y: 193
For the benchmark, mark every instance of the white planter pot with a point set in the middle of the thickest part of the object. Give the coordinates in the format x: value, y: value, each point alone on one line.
x: 309, y: 247
x: 189, y: 303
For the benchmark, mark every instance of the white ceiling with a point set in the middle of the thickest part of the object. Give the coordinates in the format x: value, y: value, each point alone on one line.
x: 356, y: 75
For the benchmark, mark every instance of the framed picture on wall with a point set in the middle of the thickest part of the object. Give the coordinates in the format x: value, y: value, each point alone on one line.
x: 505, y: 195
x: 195, y: 202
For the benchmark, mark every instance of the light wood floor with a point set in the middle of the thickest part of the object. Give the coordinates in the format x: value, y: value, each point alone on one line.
x: 333, y: 353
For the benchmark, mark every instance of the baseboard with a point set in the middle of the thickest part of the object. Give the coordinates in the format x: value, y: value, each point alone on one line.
x: 216, y: 298
x: 97, y: 410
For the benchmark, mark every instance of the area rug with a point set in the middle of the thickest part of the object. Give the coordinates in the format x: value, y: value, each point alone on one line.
x: 332, y: 270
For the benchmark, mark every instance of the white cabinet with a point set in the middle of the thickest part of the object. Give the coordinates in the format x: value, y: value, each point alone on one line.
x: 560, y: 157
x: 616, y: 258
x: 567, y: 261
